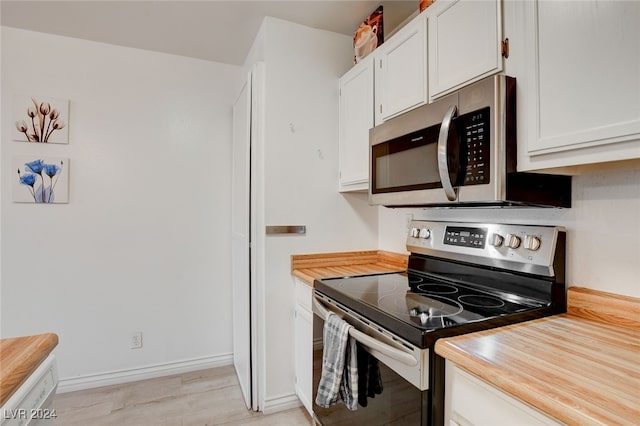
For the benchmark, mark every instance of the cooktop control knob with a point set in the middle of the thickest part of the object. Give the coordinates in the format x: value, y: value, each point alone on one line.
x: 414, y: 232
x: 531, y: 242
x: 496, y: 240
x: 425, y: 233
x: 512, y: 241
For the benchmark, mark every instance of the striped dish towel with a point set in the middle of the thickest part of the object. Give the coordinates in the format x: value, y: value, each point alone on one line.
x: 339, y: 379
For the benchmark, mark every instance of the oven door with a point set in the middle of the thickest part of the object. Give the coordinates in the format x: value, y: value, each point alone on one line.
x: 400, y: 402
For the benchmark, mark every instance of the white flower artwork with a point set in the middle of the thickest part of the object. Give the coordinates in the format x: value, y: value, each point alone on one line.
x: 41, y: 180
x: 40, y: 119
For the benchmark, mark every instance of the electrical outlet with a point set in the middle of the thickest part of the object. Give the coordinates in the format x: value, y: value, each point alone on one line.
x: 135, y: 340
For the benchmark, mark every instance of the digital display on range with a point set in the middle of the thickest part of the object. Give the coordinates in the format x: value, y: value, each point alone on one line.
x: 465, y: 237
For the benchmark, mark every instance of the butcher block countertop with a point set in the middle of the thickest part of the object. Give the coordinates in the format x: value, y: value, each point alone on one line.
x: 19, y: 357
x: 308, y: 267
x: 582, y: 367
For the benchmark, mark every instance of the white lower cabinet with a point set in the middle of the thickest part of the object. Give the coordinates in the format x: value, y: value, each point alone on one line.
x: 470, y: 401
x: 303, y: 343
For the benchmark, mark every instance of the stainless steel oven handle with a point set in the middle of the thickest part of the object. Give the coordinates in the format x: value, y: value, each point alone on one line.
x: 443, y: 141
x: 368, y: 341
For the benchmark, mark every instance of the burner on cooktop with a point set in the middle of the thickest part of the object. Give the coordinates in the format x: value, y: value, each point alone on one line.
x: 415, y: 280
x: 481, y: 301
x: 438, y: 288
x: 425, y: 308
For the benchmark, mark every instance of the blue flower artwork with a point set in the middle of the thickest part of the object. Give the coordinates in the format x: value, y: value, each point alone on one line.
x: 42, y: 180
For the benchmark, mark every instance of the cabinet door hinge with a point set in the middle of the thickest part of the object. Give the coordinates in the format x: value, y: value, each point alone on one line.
x: 380, y: 63
x: 505, y: 47
x: 380, y: 108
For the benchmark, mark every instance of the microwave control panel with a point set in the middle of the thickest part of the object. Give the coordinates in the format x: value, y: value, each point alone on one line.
x: 475, y: 135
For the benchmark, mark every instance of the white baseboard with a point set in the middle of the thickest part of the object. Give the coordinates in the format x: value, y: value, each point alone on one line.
x: 281, y: 403
x: 90, y: 381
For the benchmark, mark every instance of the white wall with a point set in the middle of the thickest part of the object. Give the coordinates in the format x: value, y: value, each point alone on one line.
x: 603, y: 236
x: 300, y: 178
x: 144, y: 243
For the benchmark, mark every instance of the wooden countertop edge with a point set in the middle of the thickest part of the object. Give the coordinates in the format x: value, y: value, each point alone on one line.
x: 19, y: 357
x: 308, y: 267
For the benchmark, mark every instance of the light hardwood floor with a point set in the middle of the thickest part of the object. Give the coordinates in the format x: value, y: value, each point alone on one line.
x: 201, y: 398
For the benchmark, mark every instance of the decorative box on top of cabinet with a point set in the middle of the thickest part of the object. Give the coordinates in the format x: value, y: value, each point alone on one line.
x: 465, y: 43
x: 470, y: 401
x: 579, y: 82
x: 356, y: 118
x: 401, y: 70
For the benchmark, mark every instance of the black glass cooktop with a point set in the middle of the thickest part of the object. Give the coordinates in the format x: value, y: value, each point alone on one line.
x: 420, y: 308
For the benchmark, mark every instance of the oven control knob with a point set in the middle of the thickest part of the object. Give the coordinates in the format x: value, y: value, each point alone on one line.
x: 496, y: 240
x: 512, y: 241
x: 425, y: 233
x: 531, y: 242
x: 414, y: 233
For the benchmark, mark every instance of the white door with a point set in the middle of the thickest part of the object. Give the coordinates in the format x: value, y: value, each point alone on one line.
x: 240, y: 240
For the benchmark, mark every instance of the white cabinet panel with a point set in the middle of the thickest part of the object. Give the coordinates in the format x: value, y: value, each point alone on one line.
x: 464, y: 43
x: 470, y: 401
x: 582, y: 86
x: 356, y: 118
x: 303, y: 338
x: 401, y: 71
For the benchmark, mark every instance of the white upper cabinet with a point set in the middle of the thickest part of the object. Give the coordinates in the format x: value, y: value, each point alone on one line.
x: 356, y: 118
x: 579, y: 95
x: 401, y: 71
x: 465, y: 43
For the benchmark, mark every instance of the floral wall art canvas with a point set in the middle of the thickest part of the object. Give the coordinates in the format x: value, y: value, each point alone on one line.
x: 40, y: 179
x: 40, y: 119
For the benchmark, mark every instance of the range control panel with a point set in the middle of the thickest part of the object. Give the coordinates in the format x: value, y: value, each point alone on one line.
x: 490, y: 244
x: 465, y: 237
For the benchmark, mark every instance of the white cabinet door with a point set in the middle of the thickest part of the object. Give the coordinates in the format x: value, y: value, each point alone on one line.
x: 356, y: 118
x: 464, y: 43
x: 470, y: 401
x: 401, y: 71
x: 303, y: 338
x: 581, y: 95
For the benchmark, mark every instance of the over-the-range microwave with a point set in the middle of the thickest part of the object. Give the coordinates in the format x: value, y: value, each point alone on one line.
x: 459, y: 151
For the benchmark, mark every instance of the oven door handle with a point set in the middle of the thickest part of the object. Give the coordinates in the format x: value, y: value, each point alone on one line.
x: 368, y: 341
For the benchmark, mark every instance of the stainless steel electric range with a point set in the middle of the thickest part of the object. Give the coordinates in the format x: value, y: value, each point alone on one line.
x: 462, y: 277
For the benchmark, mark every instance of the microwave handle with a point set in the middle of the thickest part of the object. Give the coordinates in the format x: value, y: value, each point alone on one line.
x: 443, y: 141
